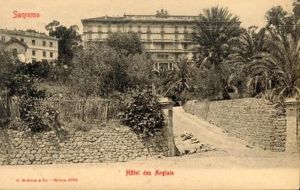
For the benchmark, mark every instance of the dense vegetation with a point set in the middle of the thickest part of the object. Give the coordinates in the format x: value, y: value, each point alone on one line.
x: 230, y: 62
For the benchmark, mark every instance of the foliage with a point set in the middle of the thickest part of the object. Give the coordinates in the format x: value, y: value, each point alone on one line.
x: 59, y: 73
x: 126, y: 43
x: 90, y: 66
x: 31, y: 115
x: 69, y: 40
x: 296, y: 10
x: 205, y: 84
x: 243, y: 51
x: 101, y: 70
x: 280, y: 19
x: 142, y: 112
x: 139, y: 70
x: 281, y: 63
x: 8, y: 67
x: 35, y: 69
x: 23, y: 86
x: 173, y: 83
x: 215, y: 27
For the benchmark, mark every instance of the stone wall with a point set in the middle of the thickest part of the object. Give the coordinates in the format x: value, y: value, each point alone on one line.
x: 103, y: 144
x: 255, y: 120
x: 298, y: 130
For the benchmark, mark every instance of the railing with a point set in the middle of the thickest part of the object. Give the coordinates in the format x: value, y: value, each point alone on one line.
x: 90, y: 110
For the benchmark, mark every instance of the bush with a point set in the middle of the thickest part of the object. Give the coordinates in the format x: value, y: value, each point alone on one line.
x: 35, y: 69
x: 142, y: 112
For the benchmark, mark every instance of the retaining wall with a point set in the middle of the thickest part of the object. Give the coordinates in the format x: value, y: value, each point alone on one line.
x: 106, y: 144
x: 255, y: 120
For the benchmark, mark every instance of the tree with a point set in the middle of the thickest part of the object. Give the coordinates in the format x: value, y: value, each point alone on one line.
x: 101, y: 70
x: 8, y: 67
x: 142, y: 112
x: 281, y: 63
x: 215, y: 27
x: 296, y: 10
x: 177, y: 80
x: 127, y: 43
x: 244, y: 49
x: 69, y: 40
x: 89, y: 68
x: 284, y: 22
x: 139, y: 70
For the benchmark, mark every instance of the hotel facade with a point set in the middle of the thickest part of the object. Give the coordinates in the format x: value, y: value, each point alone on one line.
x: 29, y: 46
x: 165, y: 37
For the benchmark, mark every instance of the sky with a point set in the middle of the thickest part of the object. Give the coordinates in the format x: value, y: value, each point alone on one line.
x: 70, y: 12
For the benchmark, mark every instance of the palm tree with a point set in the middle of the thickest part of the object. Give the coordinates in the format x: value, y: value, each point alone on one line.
x: 213, y: 31
x: 281, y: 63
x: 243, y: 51
x: 173, y: 83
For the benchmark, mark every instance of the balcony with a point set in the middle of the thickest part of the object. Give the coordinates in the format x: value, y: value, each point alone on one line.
x: 162, y: 40
x: 170, y: 50
x: 163, y: 60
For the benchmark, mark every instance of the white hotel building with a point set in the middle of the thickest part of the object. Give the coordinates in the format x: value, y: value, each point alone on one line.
x: 165, y: 37
x: 29, y: 46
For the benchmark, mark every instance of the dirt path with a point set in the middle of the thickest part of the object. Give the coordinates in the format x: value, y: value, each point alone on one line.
x: 210, y: 134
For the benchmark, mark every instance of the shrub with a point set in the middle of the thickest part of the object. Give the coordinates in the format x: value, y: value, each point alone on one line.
x: 142, y: 112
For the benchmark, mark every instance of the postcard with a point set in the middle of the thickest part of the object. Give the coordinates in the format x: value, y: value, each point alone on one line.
x: 194, y: 94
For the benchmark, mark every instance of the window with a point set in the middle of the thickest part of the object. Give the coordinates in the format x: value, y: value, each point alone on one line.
x: 162, y: 28
x: 51, y: 54
x: 3, y: 38
x: 176, y: 29
x: 139, y: 28
x: 185, y: 29
x: 176, y: 45
x: 100, y: 28
x: 148, y: 37
x: 186, y: 37
x: 162, y: 36
x: 44, y: 43
x: 90, y: 29
x: 108, y: 28
x: 162, y: 46
x: 22, y: 40
x: 33, y: 53
x: 51, y: 44
x: 33, y: 42
x: 176, y: 56
x: 44, y: 54
x: 148, y: 29
x: 185, y: 46
x: 89, y: 36
x: 130, y: 28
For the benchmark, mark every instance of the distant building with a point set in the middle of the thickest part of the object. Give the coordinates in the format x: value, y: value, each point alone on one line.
x: 29, y: 46
x: 165, y: 37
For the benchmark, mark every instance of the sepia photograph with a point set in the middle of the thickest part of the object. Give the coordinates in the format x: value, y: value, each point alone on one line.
x: 149, y: 94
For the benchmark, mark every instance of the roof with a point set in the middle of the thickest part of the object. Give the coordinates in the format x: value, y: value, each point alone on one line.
x: 15, y: 40
x: 25, y: 33
x: 142, y: 18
